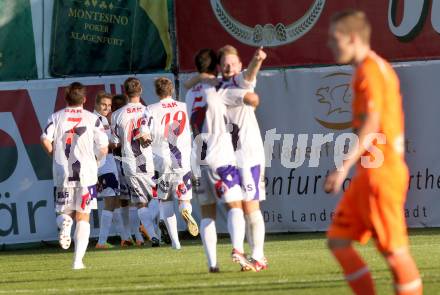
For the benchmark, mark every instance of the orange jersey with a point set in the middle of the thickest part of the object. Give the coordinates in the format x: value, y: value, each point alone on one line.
x: 376, y: 89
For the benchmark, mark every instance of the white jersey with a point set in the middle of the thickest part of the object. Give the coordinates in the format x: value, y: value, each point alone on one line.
x: 107, y: 165
x: 126, y: 123
x: 246, y: 136
x: 213, y: 144
x: 171, y: 135
x: 74, y: 133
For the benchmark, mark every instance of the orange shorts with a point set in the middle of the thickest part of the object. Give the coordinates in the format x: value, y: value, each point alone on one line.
x: 370, y: 209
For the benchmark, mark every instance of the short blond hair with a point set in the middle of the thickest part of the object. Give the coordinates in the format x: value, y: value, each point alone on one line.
x: 132, y: 87
x: 353, y: 22
x: 164, y: 87
x: 227, y: 50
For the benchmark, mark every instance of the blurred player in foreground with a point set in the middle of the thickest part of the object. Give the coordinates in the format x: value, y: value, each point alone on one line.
x: 374, y: 202
x: 70, y: 137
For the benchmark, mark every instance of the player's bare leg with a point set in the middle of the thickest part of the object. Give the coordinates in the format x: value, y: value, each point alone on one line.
x: 355, y: 270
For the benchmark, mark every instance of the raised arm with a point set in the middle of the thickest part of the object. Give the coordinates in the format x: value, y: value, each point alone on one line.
x: 254, y: 66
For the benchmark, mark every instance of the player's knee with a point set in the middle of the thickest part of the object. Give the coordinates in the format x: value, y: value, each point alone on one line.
x: 250, y: 207
x: 124, y: 203
x: 236, y: 204
x: 208, y: 211
x: 82, y: 217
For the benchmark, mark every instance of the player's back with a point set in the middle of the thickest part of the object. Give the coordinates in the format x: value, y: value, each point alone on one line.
x: 126, y: 124
x: 377, y: 89
x: 171, y: 134
x: 213, y: 144
x: 74, y: 134
x: 246, y: 135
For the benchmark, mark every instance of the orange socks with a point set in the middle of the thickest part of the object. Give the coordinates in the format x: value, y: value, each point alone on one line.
x: 406, y: 275
x: 356, y: 271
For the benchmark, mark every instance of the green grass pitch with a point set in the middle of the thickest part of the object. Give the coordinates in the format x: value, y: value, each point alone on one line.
x: 299, y: 264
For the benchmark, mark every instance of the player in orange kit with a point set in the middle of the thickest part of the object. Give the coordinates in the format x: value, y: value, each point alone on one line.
x: 373, y: 204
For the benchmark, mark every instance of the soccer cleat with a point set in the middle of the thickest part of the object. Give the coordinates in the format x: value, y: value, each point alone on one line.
x: 155, y: 242
x: 214, y: 269
x: 144, y: 232
x: 64, y: 238
x: 127, y: 243
x: 164, y: 232
x: 78, y: 265
x: 254, y: 265
x: 104, y: 246
x: 240, y: 258
x: 193, y: 228
x: 139, y: 243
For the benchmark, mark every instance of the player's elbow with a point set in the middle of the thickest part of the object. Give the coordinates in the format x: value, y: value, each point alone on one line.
x: 103, y: 151
x: 47, y: 146
x: 252, y: 99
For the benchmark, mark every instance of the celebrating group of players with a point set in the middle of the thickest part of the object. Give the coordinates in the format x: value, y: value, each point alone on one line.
x: 158, y: 160
x: 155, y: 161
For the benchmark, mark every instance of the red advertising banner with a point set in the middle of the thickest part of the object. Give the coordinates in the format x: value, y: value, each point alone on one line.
x: 295, y: 32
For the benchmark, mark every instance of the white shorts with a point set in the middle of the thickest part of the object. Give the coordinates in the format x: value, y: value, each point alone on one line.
x: 80, y: 199
x: 222, y: 185
x: 253, y: 184
x: 108, y: 185
x: 171, y: 184
x: 141, y: 187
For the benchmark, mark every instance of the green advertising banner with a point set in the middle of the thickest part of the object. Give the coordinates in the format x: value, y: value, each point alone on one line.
x: 94, y: 37
x: 17, y: 48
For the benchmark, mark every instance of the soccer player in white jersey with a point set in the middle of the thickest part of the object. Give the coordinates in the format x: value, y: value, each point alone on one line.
x: 247, y: 141
x: 127, y: 211
x: 108, y: 180
x: 137, y: 159
x: 215, y: 155
x: 172, y: 152
x: 70, y: 137
x: 234, y: 89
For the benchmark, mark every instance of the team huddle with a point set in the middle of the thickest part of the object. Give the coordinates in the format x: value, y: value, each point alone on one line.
x: 154, y: 161
x: 213, y: 141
